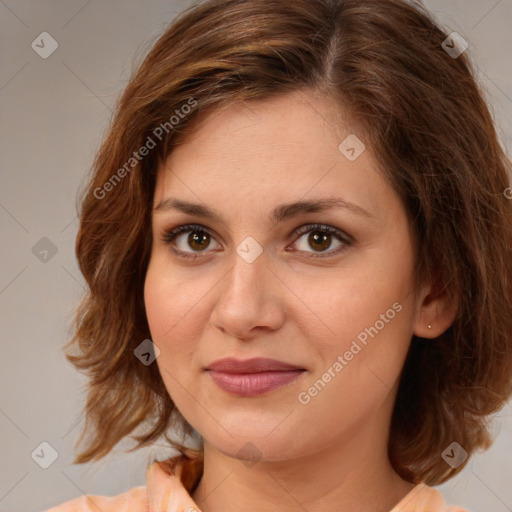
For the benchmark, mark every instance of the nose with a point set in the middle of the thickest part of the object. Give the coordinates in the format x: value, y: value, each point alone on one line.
x: 250, y: 299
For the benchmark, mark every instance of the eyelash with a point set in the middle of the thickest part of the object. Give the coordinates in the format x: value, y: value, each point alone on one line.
x: 169, y: 235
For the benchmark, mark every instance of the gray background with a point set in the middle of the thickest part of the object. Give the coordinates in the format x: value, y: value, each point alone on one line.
x: 54, y: 113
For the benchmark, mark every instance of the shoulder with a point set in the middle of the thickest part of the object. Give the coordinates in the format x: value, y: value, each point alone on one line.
x: 134, y: 500
x: 423, y: 498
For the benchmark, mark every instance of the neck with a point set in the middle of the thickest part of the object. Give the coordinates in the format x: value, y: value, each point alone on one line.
x: 354, y: 475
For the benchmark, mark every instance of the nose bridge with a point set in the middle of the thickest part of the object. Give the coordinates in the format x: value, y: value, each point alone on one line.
x: 249, y: 273
x: 247, y: 296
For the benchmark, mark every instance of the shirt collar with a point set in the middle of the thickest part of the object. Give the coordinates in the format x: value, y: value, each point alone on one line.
x: 170, y: 483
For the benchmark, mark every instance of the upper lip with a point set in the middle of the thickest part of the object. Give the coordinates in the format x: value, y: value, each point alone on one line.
x: 255, y: 365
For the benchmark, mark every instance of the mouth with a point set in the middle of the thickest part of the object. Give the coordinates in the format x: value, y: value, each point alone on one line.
x: 252, y: 377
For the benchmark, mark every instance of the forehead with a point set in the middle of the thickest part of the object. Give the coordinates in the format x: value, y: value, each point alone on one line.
x: 284, y: 148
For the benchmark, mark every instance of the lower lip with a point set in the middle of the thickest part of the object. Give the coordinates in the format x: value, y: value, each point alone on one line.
x: 253, y: 384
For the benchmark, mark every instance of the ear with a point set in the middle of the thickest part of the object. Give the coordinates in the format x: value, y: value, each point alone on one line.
x: 435, y: 309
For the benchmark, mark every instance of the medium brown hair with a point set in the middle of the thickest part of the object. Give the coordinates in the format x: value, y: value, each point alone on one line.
x: 428, y: 124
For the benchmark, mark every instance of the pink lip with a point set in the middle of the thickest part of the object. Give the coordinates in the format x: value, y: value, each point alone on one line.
x: 252, y: 377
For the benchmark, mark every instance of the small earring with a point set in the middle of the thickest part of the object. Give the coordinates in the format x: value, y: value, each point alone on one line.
x: 429, y: 326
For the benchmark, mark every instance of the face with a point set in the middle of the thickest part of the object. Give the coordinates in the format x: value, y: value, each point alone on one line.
x: 326, y: 289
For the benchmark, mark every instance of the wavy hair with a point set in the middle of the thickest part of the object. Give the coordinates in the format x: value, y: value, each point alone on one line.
x: 429, y: 125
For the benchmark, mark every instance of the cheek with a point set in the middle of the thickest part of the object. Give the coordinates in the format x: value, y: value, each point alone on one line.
x: 358, y: 366
x: 176, y: 305
x: 167, y: 303
x: 364, y: 314
x: 367, y: 289
x: 169, y: 295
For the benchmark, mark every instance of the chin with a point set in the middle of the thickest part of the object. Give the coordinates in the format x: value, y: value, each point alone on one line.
x: 252, y: 447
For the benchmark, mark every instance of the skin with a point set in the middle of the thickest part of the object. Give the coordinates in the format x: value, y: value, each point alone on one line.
x: 331, y: 453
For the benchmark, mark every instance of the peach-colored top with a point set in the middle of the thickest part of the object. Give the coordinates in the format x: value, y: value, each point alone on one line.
x: 167, y: 490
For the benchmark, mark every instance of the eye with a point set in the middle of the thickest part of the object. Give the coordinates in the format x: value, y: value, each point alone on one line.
x: 320, y: 238
x: 199, y: 240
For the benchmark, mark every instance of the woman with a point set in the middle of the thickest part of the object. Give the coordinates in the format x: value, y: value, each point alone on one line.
x: 297, y: 243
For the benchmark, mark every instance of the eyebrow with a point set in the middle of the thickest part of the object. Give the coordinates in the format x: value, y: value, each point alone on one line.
x: 278, y: 214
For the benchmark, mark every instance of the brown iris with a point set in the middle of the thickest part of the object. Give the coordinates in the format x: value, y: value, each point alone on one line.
x: 318, y: 239
x: 198, y: 238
